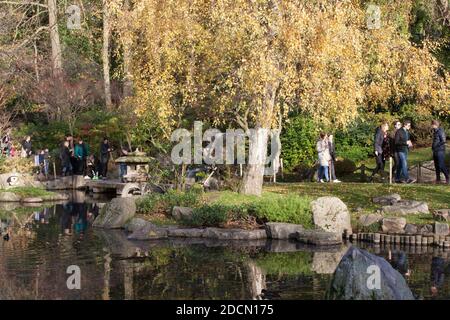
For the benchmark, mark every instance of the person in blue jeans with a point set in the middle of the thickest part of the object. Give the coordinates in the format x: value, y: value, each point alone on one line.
x: 402, y: 145
x: 438, y: 148
x: 323, y: 152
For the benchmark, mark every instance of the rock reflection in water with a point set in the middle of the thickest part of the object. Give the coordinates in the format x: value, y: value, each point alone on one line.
x: 45, y: 241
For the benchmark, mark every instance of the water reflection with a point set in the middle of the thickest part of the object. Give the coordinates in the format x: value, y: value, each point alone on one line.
x: 45, y: 241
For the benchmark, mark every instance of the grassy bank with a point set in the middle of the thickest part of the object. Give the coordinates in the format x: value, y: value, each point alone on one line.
x: 228, y: 209
x: 26, y: 192
x: 284, y: 202
x: 359, y: 195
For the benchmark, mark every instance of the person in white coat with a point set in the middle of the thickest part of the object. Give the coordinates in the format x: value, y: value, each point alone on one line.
x: 323, y: 151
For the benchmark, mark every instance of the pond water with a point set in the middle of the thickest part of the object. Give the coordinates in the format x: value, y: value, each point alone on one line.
x: 43, y: 243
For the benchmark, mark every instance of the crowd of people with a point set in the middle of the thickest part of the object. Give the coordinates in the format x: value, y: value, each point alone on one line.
x: 74, y: 155
x: 77, y: 160
x: 394, y: 144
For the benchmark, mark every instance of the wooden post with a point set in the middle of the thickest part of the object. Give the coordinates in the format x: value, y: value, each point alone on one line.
x: 419, y: 172
x: 54, y: 169
x: 240, y: 169
x: 282, y: 168
x: 390, y: 170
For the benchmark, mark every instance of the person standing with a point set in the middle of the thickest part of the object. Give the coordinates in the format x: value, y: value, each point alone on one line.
x: 46, y: 161
x: 81, y: 154
x: 438, y: 148
x: 379, y: 142
x: 332, y: 148
x: 397, y: 125
x: 65, y: 159
x: 324, y: 157
x: 26, y: 147
x: 73, y: 160
x: 402, y: 145
x: 105, y: 154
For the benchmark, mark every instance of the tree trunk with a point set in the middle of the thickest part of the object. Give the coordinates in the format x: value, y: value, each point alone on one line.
x: 126, y: 44
x: 54, y: 38
x: 254, y: 173
x: 105, y: 54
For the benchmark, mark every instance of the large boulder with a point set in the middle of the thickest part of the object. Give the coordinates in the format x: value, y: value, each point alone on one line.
x: 406, y: 207
x: 135, y: 224
x: 355, y: 279
x: 186, y: 232
x: 279, y: 230
x: 116, y: 213
x: 318, y: 237
x: 441, y: 228
x: 234, y: 234
x: 15, y: 179
x: 441, y: 215
x: 394, y: 225
x: 32, y: 200
x: 9, y: 197
x: 147, y: 232
x: 368, y: 219
x: 389, y: 199
x: 411, y: 229
x: 331, y: 214
x: 182, y: 213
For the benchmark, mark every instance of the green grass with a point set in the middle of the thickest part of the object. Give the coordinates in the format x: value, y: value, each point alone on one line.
x: 270, y: 207
x: 359, y: 195
x: 29, y: 191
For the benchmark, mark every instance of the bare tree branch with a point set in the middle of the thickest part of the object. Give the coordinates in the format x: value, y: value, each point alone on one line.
x: 23, y: 3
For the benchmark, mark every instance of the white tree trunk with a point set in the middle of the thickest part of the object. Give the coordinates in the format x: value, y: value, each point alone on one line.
x: 254, y: 173
x: 105, y: 54
x: 54, y: 38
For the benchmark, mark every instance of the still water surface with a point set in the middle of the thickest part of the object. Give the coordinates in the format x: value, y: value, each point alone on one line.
x: 44, y: 242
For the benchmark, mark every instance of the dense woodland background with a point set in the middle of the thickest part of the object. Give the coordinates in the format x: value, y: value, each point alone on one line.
x: 136, y: 70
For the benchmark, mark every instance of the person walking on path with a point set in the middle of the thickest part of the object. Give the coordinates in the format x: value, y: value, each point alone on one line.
x: 380, y: 141
x: 105, y: 154
x: 65, y: 159
x: 402, y: 145
x: 332, y: 148
x: 438, y: 148
x: 324, y: 157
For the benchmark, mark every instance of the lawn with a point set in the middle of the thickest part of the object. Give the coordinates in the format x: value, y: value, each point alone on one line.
x: 26, y: 192
x: 359, y: 195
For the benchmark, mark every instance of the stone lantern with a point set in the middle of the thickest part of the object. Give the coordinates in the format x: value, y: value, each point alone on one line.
x: 137, y: 166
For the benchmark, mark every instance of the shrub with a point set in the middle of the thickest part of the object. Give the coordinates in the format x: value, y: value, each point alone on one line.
x: 283, y: 208
x: 209, y: 215
x: 165, y: 202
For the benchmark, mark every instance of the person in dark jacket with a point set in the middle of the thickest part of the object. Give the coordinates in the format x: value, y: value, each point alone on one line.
x: 438, y: 148
x: 379, y: 141
x: 402, y: 145
x: 26, y: 147
x: 65, y: 159
x: 332, y: 148
x: 397, y: 125
x: 105, y: 153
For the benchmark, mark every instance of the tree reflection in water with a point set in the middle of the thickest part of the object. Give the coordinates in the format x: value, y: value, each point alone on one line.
x: 45, y: 241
